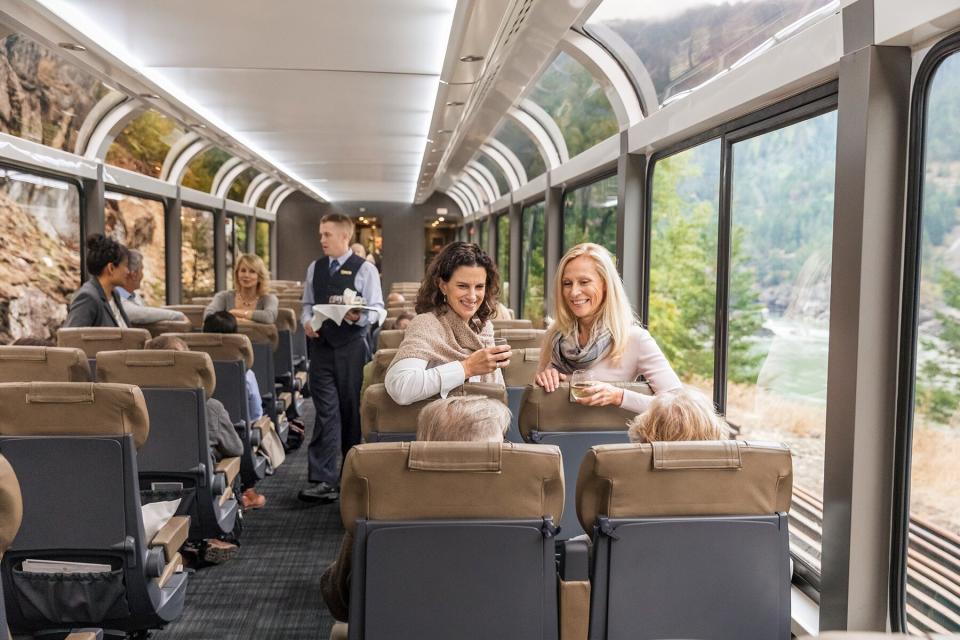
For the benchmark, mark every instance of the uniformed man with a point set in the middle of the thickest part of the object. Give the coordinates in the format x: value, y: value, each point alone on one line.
x: 337, y: 354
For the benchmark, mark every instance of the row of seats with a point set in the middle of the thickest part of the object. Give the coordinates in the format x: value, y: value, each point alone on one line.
x: 689, y: 540
x: 518, y: 333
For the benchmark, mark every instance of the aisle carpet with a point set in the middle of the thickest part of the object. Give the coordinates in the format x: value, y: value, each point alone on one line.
x: 271, y: 590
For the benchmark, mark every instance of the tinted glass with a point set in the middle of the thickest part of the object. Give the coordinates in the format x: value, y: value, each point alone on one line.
x: 138, y: 223
x: 203, y: 168
x: 590, y: 215
x: 532, y: 263
x: 494, y: 168
x: 231, y: 248
x: 503, y: 255
x: 239, y: 187
x: 197, y: 268
x: 263, y: 241
x: 143, y: 144
x: 517, y: 140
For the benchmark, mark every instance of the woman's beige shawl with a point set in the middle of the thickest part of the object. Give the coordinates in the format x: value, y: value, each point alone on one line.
x: 444, y: 338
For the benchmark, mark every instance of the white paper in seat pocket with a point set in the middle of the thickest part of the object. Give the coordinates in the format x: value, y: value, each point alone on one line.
x: 155, y: 515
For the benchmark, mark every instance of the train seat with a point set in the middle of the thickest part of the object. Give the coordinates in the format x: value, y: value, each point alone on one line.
x: 73, y: 447
x: 93, y: 340
x: 383, y: 420
x: 511, y: 324
x: 11, y: 512
x: 521, y: 338
x: 379, y: 365
x: 166, y: 326
x: 517, y: 375
x: 550, y: 418
x: 298, y: 338
x: 43, y: 364
x: 232, y: 355
x: 463, y: 523
x: 689, y: 539
x: 194, y: 313
x: 390, y: 339
x: 396, y: 310
x: 265, y: 339
x: 175, y: 462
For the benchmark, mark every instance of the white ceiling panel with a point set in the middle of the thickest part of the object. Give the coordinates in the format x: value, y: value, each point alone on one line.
x: 337, y: 93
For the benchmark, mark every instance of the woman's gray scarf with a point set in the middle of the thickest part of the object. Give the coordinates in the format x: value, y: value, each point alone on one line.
x: 568, y: 355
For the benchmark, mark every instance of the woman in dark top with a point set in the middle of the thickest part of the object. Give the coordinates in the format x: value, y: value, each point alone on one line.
x: 96, y: 303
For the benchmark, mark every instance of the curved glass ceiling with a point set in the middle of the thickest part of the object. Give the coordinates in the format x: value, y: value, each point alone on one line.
x: 517, y: 140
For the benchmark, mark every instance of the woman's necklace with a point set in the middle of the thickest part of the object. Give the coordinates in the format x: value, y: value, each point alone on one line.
x: 246, y: 302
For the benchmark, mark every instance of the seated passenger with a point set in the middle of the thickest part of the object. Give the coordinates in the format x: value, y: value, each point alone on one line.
x: 596, y: 331
x: 679, y: 414
x: 395, y: 298
x: 224, y: 322
x: 455, y: 419
x: 30, y: 341
x: 222, y: 437
x: 450, y: 341
x: 133, y: 304
x: 97, y: 303
x: 251, y: 298
x: 359, y: 249
x: 403, y: 321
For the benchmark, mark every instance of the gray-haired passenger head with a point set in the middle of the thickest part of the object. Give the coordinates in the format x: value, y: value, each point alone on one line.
x: 463, y: 419
x: 135, y: 261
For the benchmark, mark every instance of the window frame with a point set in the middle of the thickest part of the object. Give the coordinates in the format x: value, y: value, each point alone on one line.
x: 803, y: 106
x: 213, y: 227
x: 909, y: 324
x: 167, y: 208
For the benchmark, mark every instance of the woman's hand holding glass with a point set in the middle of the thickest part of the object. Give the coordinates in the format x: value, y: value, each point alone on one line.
x: 550, y: 379
x: 599, y: 394
x: 487, y: 360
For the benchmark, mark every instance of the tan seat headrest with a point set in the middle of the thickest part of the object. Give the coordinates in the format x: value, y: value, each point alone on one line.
x: 542, y: 411
x: 442, y: 480
x: 11, y: 505
x: 381, y: 362
x: 73, y: 409
x: 704, y: 478
x: 286, y: 320
x: 390, y: 339
x: 388, y: 324
x: 260, y: 333
x: 522, y: 368
x: 511, y: 324
x: 380, y: 414
x: 92, y: 340
x: 521, y: 338
x: 194, y: 313
x: 220, y: 346
x: 393, y: 312
x: 43, y: 364
x: 166, y: 326
x: 158, y: 368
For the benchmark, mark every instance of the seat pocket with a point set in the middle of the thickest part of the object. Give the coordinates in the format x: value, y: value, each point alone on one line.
x: 71, y: 597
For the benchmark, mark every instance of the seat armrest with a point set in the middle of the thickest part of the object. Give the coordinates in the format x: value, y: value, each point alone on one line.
x: 574, y: 588
x: 174, y: 566
x: 264, y: 423
x: 229, y: 467
x: 86, y: 634
x: 172, y: 536
x: 575, y: 559
x: 339, y: 631
x: 287, y: 399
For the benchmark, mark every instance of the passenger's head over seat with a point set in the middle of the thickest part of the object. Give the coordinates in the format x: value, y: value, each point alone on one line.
x: 220, y: 322
x: 167, y: 343
x: 402, y: 321
x: 395, y: 297
x: 30, y: 341
x: 463, y: 419
x: 680, y: 414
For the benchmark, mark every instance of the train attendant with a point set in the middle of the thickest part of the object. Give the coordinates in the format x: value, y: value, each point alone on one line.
x: 337, y: 354
x: 450, y: 340
x: 251, y: 298
x: 97, y: 303
x: 596, y: 331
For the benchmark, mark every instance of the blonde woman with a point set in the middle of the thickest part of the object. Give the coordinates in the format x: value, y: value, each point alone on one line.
x: 596, y: 331
x: 681, y: 414
x: 251, y: 298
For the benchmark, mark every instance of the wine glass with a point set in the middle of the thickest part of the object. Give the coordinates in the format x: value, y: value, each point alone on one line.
x: 580, y: 380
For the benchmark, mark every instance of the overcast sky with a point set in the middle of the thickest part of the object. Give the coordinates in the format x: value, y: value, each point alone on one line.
x: 612, y: 9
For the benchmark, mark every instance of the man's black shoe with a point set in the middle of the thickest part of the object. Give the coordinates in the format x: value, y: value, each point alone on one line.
x: 320, y: 492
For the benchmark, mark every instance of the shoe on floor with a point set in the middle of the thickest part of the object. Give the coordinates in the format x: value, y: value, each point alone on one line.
x: 321, y: 492
x: 252, y: 500
x: 218, y: 551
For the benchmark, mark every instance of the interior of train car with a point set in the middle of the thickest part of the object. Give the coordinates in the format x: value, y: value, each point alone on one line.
x: 298, y: 301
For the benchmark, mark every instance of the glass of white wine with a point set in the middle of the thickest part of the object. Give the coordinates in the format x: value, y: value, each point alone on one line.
x: 580, y: 381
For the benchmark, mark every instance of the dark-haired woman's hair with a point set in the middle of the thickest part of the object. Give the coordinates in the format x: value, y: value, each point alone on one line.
x: 102, y: 251
x: 220, y: 322
x: 31, y: 341
x: 450, y: 258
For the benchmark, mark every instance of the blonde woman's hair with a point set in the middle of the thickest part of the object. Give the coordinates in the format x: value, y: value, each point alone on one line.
x: 253, y: 261
x: 463, y: 419
x: 679, y: 414
x: 615, y: 314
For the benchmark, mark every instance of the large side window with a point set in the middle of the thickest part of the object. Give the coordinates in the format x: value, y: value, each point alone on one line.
x: 196, y: 252
x: 138, y: 223
x: 531, y: 266
x: 781, y: 240
x: 231, y: 248
x: 590, y: 215
x: 503, y: 256
x: 263, y: 241
x: 933, y: 533
x: 40, y: 260
x: 683, y: 260
x: 144, y: 143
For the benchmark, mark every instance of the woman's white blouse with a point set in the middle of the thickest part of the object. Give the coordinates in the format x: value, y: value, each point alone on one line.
x: 409, y: 380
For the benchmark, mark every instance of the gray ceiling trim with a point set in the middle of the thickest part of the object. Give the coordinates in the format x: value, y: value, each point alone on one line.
x: 549, y: 125
x: 507, y: 160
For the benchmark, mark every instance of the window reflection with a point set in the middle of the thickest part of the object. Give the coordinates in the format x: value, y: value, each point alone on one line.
x: 138, y: 223
x: 40, y: 260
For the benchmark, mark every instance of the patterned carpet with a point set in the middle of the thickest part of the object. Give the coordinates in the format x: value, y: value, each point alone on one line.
x: 271, y: 590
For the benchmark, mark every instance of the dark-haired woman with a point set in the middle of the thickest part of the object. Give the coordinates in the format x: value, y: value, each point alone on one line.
x: 96, y: 303
x: 450, y: 341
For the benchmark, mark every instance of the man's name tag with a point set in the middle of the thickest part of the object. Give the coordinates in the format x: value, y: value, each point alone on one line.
x: 344, y: 272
